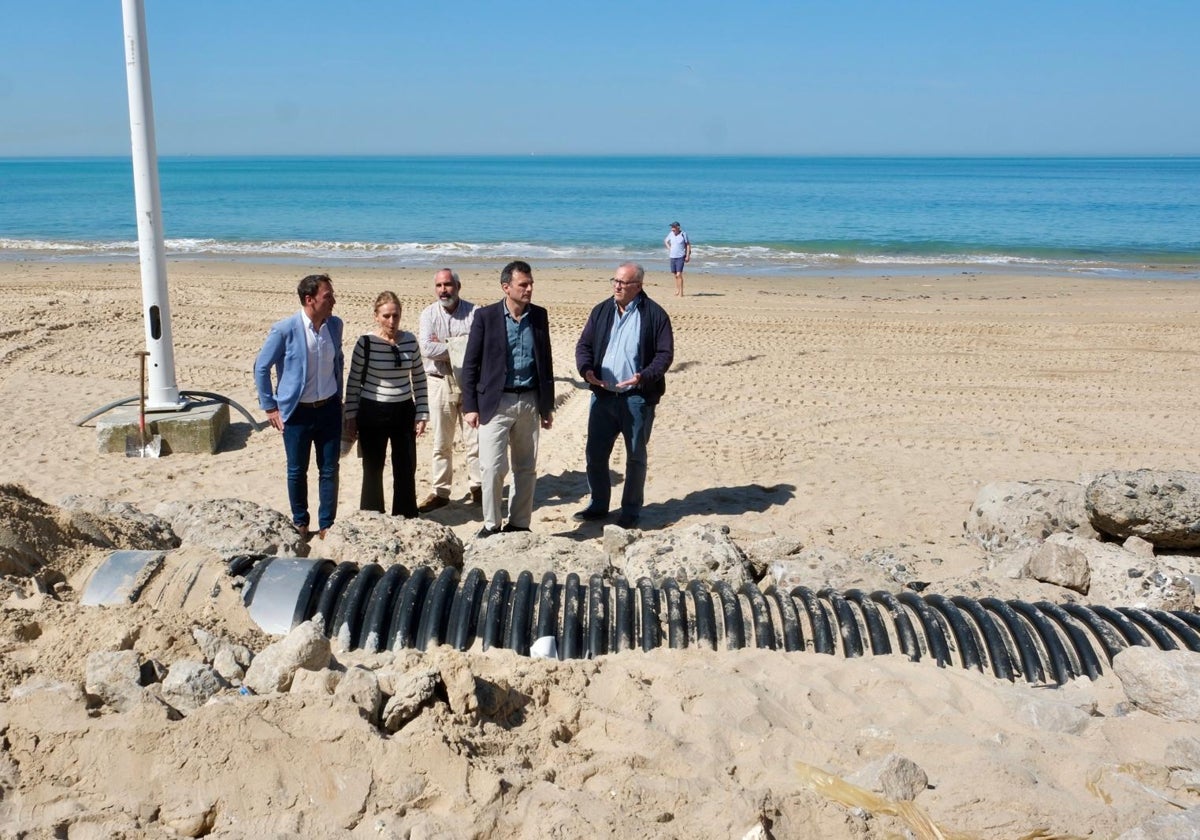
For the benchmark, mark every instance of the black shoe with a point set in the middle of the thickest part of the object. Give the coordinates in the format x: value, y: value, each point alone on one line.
x: 486, y: 532
x: 590, y: 514
x: 514, y: 529
x: 628, y: 521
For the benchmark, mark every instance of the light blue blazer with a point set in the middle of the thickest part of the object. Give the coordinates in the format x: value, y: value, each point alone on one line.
x: 286, y: 352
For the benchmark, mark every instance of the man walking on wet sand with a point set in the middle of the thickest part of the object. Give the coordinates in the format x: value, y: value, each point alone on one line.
x: 623, y: 353
x: 679, y: 249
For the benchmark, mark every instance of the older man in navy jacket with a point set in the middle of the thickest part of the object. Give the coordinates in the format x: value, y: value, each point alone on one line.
x: 624, y: 352
x: 508, y: 392
x: 305, y: 353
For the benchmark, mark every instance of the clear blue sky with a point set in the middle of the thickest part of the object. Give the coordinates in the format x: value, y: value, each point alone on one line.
x: 729, y: 77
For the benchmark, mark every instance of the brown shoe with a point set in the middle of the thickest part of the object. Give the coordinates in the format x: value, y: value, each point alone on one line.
x: 476, y: 495
x: 432, y: 502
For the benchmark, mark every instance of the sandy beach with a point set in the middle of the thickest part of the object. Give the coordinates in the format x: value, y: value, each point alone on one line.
x: 855, y: 415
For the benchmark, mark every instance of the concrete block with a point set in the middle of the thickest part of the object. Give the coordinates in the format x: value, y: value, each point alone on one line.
x: 197, y: 428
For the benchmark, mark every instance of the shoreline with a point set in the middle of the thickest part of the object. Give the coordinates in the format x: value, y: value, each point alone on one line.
x: 835, y: 268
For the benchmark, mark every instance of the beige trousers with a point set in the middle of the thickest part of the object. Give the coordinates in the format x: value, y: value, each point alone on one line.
x: 515, y: 428
x: 445, y: 418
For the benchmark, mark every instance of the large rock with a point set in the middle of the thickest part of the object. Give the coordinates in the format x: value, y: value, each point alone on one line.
x: 119, y: 524
x: 1109, y: 574
x: 220, y: 652
x: 695, y: 552
x: 820, y: 567
x: 1123, y: 578
x: 1010, y: 514
x: 369, y: 537
x: 360, y: 686
x: 537, y: 553
x: 114, y: 678
x: 304, y: 647
x: 1061, y: 560
x: 189, y: 685
x: 1175, y: 826
x: 233, y: 526
x: 1160, y: 506
x: 895, y: 776
x: 413, y: 691
x: 1165, y: 683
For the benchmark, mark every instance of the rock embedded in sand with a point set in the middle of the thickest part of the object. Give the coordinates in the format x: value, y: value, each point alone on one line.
x: 233, y: 526
x: 360, y: 686
x: 1009, y: 514
x: 1063, y: 561
x: 273, y: 668
x: 412, y: 691
x: 118, y: 524
x: 1182, y: 826
x: 1184, y: 753
x: 217, y: 648
x: 1165, y: 683
x: 114, y: 678
x: 896, y: 777
x: 369, y: 537
x: 695, y: 552
x: 1160, y: 506
x: 189, y: 685
x: 1108, y: 573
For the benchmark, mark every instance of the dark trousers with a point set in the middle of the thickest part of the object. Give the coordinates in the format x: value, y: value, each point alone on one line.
x: 378, y: 424
x: 308, y: 429
x: 631, y: 417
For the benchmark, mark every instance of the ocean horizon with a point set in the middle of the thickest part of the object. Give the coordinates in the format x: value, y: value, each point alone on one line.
x: 1123, y: 216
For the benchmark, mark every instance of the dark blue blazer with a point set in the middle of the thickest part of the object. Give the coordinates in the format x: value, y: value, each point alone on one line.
x: 485, y: 364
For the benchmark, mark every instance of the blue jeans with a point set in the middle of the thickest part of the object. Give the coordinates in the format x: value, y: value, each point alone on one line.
x: 306, y: 429
x: 631, y: 417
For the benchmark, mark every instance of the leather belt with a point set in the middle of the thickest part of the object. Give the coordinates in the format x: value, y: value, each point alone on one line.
x: 317, y: 404
x: 519, y: 390
x: 437, y: 375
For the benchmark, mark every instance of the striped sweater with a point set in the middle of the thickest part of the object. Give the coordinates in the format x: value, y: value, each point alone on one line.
x: 387, y: 373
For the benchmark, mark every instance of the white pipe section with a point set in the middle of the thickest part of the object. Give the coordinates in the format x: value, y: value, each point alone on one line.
x: 162, y: 393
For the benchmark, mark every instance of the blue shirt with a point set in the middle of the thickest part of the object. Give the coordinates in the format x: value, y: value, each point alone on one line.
x: 620, y: 360
x: 520, y: 351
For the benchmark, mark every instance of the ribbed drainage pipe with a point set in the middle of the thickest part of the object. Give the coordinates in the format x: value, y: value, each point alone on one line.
x: 367, y: 607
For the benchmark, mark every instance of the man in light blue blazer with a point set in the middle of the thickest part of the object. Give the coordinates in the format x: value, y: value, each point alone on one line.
x: 305, y: 353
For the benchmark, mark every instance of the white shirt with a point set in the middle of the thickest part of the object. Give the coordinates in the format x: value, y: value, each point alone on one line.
x: 435, y: 326
x: 319, y: 381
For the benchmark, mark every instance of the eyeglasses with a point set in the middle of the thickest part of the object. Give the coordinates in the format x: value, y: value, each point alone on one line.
x: 396, y: 355
x: 622, y: 283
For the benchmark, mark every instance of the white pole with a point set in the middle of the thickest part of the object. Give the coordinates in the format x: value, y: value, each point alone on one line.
x: 163, y: 393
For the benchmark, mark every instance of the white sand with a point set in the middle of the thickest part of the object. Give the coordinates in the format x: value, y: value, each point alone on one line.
x: 855, y: 413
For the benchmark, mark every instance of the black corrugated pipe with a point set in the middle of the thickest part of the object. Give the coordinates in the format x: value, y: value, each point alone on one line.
x: 375, y: 609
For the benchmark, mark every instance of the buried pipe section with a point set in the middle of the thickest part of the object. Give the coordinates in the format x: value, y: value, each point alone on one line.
x: 374, y: 609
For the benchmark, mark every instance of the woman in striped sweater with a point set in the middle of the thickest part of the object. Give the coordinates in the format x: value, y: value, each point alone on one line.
x: 386, y: 401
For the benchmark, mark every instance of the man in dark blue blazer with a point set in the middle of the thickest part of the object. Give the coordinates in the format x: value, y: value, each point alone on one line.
x: 508, y: 394
x: 304, y: 351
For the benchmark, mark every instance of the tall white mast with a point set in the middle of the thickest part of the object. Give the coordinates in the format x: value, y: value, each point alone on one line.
x: 163, y: 393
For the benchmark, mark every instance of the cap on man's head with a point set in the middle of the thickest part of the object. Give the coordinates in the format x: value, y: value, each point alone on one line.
x: 674, y: 224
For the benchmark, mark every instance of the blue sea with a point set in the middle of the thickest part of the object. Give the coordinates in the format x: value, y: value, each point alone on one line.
x: 748, y: 215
